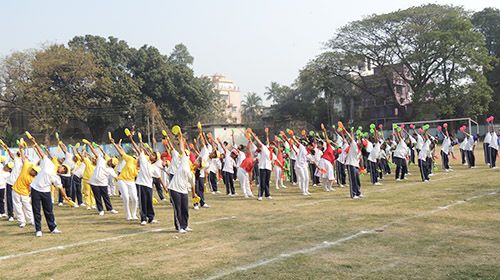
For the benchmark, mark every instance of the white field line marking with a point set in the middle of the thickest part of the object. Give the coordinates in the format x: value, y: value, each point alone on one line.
x: 113, y: 238
x: 329, y: 244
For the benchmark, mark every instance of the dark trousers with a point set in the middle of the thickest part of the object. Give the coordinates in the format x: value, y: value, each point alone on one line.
x: 493, y: 157
x: 463, y: 155
x: 385, y: 166
x: 446, y: 160
x: 315, y: 179
x: 146, y: 203
x: 471, y: 159
x: 341, y: 176
x: 76, y: 189
x: 10, y: 203
x: 66, y: 182
x: 200, y: 189
x: 400, y: 168
x: 38, y: 200
x: 255, y: 173
x: 159, y: 190
x: 487, y: 155
x: 354, y: 181
x: 265, y: 176
x: 229, y: 182
x: 412, y: 155
x: 424, y: 169
x: 180, y: 205
x: 101, y: 194
x: 372, y: 167
x: 429, y: 164
x: 213, y: 181
x: 2, y: 203
x: 293, y: 174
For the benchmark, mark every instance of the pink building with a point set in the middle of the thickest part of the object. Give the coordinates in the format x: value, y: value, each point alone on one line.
x: 231, y: 95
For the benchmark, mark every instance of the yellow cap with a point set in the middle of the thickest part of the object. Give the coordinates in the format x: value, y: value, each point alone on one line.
x: 3, y: 159
x: 10, y: 165
x: 36, y: 168
x: 114, y: 161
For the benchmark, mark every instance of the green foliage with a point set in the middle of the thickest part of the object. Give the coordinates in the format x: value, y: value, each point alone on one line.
x: 251, y: 106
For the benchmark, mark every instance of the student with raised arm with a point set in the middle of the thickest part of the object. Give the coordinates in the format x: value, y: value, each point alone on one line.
x: 373, y: 157
x: 203, y: 162
x: 340, y: 162
x: 41, y: 191
x: 326, y: 162
x: 353, y: 162
x: 265, y: 167
x: 126, y: 183
x: 422, y: 158
x: 178, y: 189
x: 68, y: 163
x: 493, y: 146
x: 104, y: 168
x: 400, y: 154
x: 245, y: 166
x: 144, y: 181
x: 279, y: 165
x: 87, y: 173
x: 469, y: 149
x: 445, y: 148
x: 4, y: 174
x: 76, y: 179
x: 11, y: 180
x: 159, y: 165
x: 301, y: 165
x: 228, y: 168
x: 21, y: 190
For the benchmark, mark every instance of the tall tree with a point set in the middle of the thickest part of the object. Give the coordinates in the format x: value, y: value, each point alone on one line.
x: 433, y: 48
x: 181, y: 56
x: 251, y: 107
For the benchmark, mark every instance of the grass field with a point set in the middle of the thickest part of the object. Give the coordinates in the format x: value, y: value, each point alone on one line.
x: 447, y: 229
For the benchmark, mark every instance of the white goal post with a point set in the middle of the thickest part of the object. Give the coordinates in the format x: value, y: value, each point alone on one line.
x: 469, y: 120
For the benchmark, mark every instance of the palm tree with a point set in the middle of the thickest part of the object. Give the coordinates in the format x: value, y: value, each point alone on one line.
x: 251, y: 107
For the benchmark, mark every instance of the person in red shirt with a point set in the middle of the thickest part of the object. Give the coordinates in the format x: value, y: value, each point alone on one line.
x: 326, y: 163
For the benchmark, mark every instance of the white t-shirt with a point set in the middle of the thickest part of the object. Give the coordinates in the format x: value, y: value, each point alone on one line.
x: 265, y: 158
x: 375, y: 153
x: 158, y: 165
x: 343, y: 154
x: 494, y: 141
x: 241, y: 157
x: 317, y: 155
x: 470, y: 143
x: 229, y: 163
x: 214, y: 165
x: 3, y: 178
x: 487, y: 138
x: 420, y: 142
x: 424, y: 152
x: 47, y: 177
x: 174, y: 164
x: 401, y: 149
x: 463, y: 144
x: 68, y: 160
x: 183, y: 178
x: 352, y: 157
x: 445, y: 147
x: 102, y: 172
x: 146, y: 172
x: 301, y: 157
x: 79, y: 169
x: 16, y: 170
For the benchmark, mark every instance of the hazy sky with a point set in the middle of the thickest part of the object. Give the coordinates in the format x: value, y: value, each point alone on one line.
x: 252, y: 42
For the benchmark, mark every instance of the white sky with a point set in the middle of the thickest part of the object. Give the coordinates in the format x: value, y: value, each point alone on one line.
x: 252, y: 42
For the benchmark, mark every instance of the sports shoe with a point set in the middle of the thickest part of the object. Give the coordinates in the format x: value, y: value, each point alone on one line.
x: 38, y: 234
x: 342, y: 186
x: 361, y: 195
x: 22, y: 225
x: 56, y: 231
x: 495, y: 167
x: 182, y: 231
x: 314, y: 185
x: 143, y: 223
x: 196, y: 207
x: 426, y: 181
x: 283, y: 186
x: 154, y: 222
x: 277, y: 188
x: 269, y: 197
x: 82, y: 205
x: 76, y: 206
x: 378, y: 184
x: 188, y: 229
x: 101, y: 213
x: 205, y: 206
x: 398, y: 179
x: 11, y: 219
x: 355, y: 197
x: 60, y: 204
x: 305, y: 194
x: 113, y: 211
x: 260, y: 198
x: 135, y: 218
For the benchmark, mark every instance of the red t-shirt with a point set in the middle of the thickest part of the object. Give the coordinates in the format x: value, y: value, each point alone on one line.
x: 328, y: 153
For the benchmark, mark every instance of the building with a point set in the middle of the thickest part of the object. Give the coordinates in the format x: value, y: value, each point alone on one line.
x: 231, y: 95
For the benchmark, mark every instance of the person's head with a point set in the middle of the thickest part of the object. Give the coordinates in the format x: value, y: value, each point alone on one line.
x: 76, y: 158
x: 8, y: 167
x: 272, y: 145
x: 35, y: 169
x: 241, y: 147
x: 112, y: 162
x: 94, y: 161
x: 234, y: 153
x: 62, y: 169
x: 153, y: 157
x: 18, y: 153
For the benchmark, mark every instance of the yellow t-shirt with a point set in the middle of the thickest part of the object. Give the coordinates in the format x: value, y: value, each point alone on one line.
x: 56, y: 163
x: 129, y: 171
x: 22, y: 185
x: 89, y: 169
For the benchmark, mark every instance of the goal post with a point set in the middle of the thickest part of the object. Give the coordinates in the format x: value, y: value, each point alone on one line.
x: 470, y: 122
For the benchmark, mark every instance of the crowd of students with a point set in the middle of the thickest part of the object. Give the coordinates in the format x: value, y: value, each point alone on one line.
x: 86, y: 176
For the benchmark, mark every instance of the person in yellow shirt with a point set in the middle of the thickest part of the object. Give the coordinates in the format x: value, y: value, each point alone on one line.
x: 126, y: 183
x: 87, y: 173
x: 21, y: 191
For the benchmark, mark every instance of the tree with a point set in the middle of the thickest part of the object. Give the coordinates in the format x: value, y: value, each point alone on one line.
x: 276, y: 92
x: 433, y: 48
x: 251, y: 107
x: 181, y: 56
x: 487, y: 22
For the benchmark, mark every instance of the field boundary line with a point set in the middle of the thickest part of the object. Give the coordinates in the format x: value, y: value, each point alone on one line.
x: 329, y: 244
x: 100, y: 240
